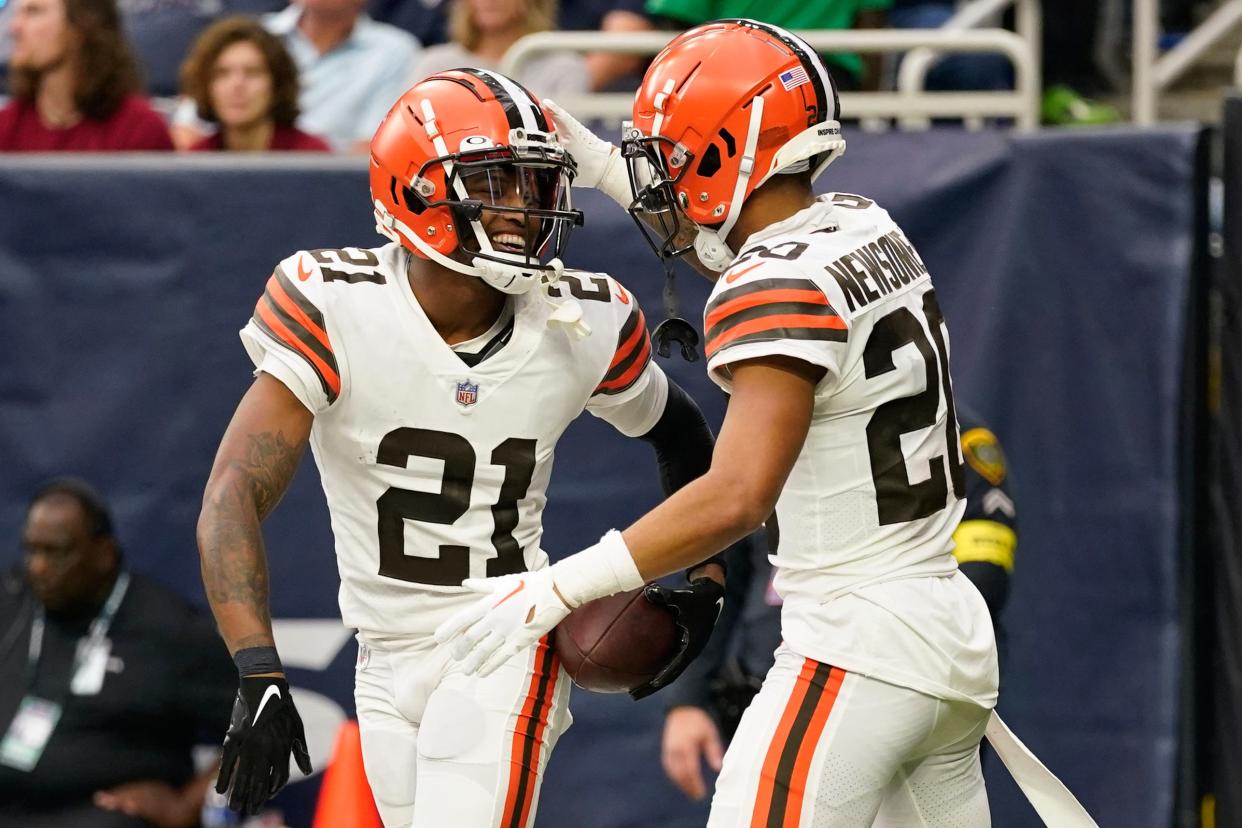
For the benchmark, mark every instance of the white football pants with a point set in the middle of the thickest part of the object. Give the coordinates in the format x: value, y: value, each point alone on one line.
x: 445, y: 749
x: 822, y: 748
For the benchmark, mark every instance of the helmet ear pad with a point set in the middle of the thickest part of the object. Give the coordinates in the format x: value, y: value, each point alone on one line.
x: 437, y: 226
x: 712, y: 250
x: 705, y: 191
x: 398, y: 152
x: 706, y: 188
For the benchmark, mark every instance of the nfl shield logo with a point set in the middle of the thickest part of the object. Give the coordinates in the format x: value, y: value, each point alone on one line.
x: 467, y: 393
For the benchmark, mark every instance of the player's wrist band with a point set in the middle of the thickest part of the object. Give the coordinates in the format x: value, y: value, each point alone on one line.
x: 253, y: 661
x: 615, y: 182
x: 603, y: 569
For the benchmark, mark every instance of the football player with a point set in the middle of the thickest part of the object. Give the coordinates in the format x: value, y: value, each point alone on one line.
x: 703, y: 707
x: 825, y: 328
x: 432, y: 378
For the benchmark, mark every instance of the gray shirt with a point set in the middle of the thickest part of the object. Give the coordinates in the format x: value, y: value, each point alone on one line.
x: 346, y: 91
x: 548, y: 76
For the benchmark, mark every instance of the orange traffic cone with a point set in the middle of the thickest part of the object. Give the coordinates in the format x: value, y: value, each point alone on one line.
x: 345, y: 799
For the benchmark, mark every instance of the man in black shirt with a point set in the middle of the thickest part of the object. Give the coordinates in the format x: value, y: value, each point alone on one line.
x: 109, y: 680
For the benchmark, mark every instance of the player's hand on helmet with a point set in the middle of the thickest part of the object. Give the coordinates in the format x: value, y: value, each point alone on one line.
x: 599, y: 162
x: 690, y: 737
x: 264, y: 730
x: 514, y: 612
x: 695, y: 609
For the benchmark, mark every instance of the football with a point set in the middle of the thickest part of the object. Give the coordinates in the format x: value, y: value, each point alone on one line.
x: 615, y: 644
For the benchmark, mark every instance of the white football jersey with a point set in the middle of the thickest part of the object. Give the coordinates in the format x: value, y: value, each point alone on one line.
x: 878, y: 488
x: 436, y: 470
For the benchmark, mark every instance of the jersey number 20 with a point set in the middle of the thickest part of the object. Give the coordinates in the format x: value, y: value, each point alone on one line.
x: 897, y: 499
x: 396, y: 506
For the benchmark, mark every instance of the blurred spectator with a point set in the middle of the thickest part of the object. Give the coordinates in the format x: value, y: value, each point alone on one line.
x: 607, y: 70
x: 74, y: 82
x: 353, y: 69
x: 847, y: 67
x: 982, y: 71
x: 162, y: 32
x: 1068, y: 60
x: 6, y: 39
x: 483, y: 30
x: 111, y: 680
x: 703, y: 707
x: 243, y: 80
x: 427, y: 20
x: 986, y: 538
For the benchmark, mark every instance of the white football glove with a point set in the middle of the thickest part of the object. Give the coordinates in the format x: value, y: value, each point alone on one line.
x: 514, y: 613
x: 600, y: 164
x: 517, y: 610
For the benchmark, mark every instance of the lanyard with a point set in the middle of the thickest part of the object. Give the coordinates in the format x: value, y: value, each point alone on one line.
x: 97, y: 633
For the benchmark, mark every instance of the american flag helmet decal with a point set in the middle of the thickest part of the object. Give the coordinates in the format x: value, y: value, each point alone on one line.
x: 793, y: 77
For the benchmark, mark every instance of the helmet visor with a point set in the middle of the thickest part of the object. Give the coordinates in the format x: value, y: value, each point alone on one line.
x: 511, y: 206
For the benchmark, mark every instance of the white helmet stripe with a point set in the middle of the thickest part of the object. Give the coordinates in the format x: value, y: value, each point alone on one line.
x: 661, y: 99
x: 521, y: 100
x: 437, y: 141
x: 459, y: 188
x: 541, y: 119
x: 746, y: 167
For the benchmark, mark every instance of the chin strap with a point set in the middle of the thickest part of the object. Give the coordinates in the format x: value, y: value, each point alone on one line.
x: 567, y: 314
x: 674, y: 328
x: 710, y: 245
x: 512, y: 279
x: 711, y: 248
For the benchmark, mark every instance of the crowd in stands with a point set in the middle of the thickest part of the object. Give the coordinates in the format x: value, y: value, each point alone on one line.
x: 74, y: 82
x: 320, y: 74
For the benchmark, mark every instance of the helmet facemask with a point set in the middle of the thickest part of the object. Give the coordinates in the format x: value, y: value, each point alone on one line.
x: 709, y: 243
x: 659, y: 218
x: 527, y: 181
x: 655, y: 208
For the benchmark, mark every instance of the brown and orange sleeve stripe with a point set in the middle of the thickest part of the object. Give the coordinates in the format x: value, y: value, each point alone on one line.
x: 768, y: 309
x: 631, y: 357
x: 288, y: 317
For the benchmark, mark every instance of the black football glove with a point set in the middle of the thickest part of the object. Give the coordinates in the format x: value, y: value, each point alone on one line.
x: 695, y: 608
x: 265, y: 728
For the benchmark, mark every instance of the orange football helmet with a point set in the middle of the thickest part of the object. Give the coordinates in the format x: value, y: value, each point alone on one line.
x: 462, y: 143
x: 724, y: 107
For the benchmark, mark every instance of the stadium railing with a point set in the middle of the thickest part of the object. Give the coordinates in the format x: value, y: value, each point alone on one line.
x: 976, y: 14
x: 1153, y: 74
x: 1021, y: 103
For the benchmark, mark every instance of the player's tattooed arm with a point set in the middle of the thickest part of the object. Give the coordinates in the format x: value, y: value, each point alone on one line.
x: 257, y: 459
